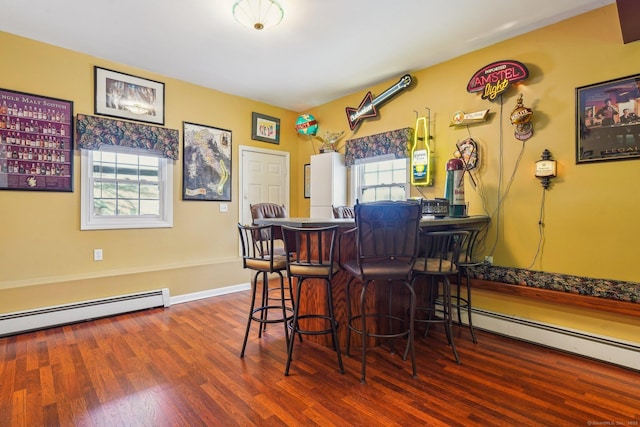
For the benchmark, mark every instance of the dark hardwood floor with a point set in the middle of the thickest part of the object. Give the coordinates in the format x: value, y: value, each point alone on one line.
x: 180, y: 367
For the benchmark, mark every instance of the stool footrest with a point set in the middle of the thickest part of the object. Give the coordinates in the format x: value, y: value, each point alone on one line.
x: 313, y: 332
x: 271, y: 307
x: 355, y: 329
x: 454, y: 301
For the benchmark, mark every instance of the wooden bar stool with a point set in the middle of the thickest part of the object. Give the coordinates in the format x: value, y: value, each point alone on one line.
x: 342, y: 211
x: 311, y: 262
x: 259, y: 254
x: 271, y: 210
x: 441, y: 253
x: 468, y: 259
x: 387, y: 246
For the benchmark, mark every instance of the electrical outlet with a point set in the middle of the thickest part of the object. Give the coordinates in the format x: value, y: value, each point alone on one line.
x: 488, y: 259
x: 97, y: 254
x: 224, y: 207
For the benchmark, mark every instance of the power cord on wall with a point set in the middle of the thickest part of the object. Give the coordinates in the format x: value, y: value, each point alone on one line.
x: 501, y: 195
x: 540, y: 230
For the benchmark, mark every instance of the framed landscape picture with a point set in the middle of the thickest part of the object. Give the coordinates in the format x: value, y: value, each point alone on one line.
x: 128, y: 97
x: 206, y: 163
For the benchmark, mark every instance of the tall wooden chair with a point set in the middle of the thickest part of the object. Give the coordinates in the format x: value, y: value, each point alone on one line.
x: 387, y: 246
x: 441, y: 254
x: 258, y: 254
x: 469, y: 258
x: 342, y: 211
x: 310, y: 261
x: 271, y: 210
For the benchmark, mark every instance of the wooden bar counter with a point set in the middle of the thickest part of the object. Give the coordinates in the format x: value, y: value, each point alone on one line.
x: 314, y: 300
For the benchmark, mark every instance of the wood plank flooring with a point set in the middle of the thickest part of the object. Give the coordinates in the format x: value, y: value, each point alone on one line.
x: 180, y: 367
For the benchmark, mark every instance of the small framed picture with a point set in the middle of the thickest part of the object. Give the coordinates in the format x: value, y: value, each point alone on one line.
x: 128, y: 97
x: 265, y: 128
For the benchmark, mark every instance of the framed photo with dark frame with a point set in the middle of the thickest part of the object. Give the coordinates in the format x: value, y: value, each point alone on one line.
x: 206, y: 154
x: 608, y: 123
x: 36, y: 142
x: 128, y: 97
x: 307, y: 181
x: 265, y: 128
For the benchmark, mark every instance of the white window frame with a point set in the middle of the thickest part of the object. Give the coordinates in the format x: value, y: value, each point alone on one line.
x: 355, y: 173
x: 90, y: 221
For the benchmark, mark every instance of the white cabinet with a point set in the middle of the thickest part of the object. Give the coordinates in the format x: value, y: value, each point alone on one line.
x: 328, y: 184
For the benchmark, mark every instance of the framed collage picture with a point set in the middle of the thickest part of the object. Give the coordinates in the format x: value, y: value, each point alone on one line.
x: 36, y: 142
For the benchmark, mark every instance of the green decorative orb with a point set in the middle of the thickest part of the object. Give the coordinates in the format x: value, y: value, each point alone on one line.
x: 307, y: 125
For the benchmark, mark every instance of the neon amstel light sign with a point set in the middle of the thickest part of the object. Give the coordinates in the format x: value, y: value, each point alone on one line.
x: 495, y: 78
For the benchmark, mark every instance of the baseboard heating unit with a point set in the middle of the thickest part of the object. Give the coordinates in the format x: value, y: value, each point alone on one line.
x: 590, y: 345
x: 29, y: 320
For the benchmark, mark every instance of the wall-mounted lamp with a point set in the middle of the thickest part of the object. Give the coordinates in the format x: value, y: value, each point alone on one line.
x: 258, y: 14
x: 546, y: 169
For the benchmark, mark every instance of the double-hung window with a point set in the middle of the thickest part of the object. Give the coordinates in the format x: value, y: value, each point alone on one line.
x: 383, y: 178
x: 125, y: 190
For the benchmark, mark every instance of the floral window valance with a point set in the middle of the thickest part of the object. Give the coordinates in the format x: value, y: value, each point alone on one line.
x: 395, y: 142
x: 95, y: 133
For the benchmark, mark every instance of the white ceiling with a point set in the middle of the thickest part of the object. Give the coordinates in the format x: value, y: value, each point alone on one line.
x: 322, y: 50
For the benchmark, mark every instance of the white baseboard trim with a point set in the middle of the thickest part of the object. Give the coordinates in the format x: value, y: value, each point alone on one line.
x: 179, y: 299
x: 586, y: 344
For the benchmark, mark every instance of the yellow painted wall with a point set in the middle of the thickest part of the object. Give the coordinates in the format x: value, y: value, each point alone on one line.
x: 45, y: 259
x: 590, y: 211
x: 591, y: 208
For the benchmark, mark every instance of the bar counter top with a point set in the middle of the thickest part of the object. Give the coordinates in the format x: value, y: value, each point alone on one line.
x: 427, y: 221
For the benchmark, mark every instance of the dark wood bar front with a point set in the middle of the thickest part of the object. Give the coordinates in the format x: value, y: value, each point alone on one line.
x: 314, y: 300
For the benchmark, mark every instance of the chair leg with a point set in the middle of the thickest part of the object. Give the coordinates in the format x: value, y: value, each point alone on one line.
x: 334, y: 326
x: 265, y: 302
x: 294, y: 324
x: 447, y: 296
x: 292, y: 301
x: 447, y: 306
x: 458, y: 280
x: 410, y: 348
x: 349, y: 311
x: 473, y: 333
x: 433, y: 295
x: 365, y: 336
x: 411, y: 338
x: 411, y: 285
x: 284, y: 310
x: 253, y: 304
x: 392, y: 349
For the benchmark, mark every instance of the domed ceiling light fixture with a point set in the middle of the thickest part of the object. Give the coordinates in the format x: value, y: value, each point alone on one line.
x: 258, y: 14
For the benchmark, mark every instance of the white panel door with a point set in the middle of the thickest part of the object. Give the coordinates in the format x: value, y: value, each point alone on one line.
x: 264, y: 177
